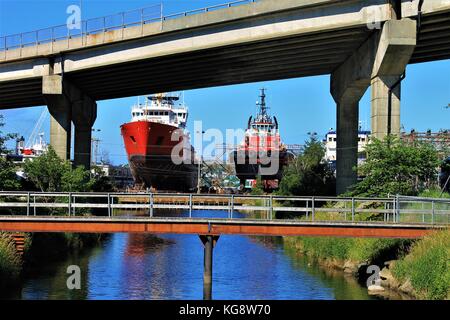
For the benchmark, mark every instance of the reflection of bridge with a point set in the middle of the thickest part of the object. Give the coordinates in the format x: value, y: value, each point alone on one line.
x: 399, y: 217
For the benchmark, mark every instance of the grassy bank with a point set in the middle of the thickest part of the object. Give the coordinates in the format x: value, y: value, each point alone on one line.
x: 427, y: 266
x: 39, y: 247
x: 353, y: 249
x: 422, y: 263
x: 10, y: 261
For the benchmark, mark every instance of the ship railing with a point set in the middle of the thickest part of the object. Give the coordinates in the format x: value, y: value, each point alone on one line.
x: 77, y: 35
x: 394, y: 209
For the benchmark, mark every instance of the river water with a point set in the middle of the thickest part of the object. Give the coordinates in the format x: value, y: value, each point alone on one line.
x: 170, y: 266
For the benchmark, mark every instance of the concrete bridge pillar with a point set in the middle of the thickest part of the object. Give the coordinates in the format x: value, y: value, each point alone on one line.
x: 395, y: 47
x: 66, y: 103
x: 380, y: 61
x: 60, y: 110
x: 347, y: 143
x: 385, y: 115
x: 84, y: 113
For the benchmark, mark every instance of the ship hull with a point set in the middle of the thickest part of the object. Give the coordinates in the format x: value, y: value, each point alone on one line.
x: 248, y: 166
x: 149, y: 148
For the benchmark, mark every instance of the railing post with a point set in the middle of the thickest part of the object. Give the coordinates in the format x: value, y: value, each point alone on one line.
x: 307, y: 211
x: 353, y: 209
x: 104, y: 29
x: 190, y: 205
x: 109, y: 205
x: 313, y: 209
x: 34, y: 205
x: 74, y: 201
x: 162, y: 15
x: 397, y: 208
x: 232, y: 206
x: 271, y: 207
x: 432, y: 211
x: 393, y: 209
x: 384, y: 213
x: 123, y: 24
x: 151, y: 204
x: 70, y: 203
x: 28, y: 203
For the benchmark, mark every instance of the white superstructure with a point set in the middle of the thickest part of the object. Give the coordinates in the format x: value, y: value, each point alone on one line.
x: 161, y: 108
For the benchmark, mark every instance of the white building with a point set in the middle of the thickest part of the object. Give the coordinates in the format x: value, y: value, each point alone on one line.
x: 331, y: 140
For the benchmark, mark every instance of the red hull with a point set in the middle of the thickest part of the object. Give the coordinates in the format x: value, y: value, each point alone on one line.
x: 149, y: 147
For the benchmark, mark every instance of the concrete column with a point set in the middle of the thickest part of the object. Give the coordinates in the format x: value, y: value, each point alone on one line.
x: 60, y: 132
x: 84, y: 113
x: 347, y: 143
x: 379, y: 61
x: 67, y: 103
x: 385, y: 116
x: 395, y: 47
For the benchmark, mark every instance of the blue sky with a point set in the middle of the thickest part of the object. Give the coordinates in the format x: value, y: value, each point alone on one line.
x: 301, y: 105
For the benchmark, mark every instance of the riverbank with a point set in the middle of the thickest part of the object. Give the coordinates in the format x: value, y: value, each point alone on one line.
x: 417, y: 269
x: 10, y: 260
x: 38, y: 247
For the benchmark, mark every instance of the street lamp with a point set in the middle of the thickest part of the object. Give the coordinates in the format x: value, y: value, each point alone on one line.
x: 200, y: 162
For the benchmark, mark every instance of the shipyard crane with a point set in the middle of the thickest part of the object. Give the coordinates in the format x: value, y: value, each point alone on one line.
x: 37, y: 130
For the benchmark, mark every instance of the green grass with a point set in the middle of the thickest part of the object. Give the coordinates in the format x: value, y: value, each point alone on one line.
x: 10, y: 261
x: 355, y: 249
x: 427, y: 266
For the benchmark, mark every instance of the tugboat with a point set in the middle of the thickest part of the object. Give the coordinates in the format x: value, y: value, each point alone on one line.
x: 261, y: 154
x: 157, y: 145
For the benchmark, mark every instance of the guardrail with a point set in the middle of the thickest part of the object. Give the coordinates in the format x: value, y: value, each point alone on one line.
x: 119, y: 21
x: 398, y: 209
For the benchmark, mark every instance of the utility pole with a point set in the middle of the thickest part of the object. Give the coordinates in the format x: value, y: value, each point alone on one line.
x: 199, y: 176
x: 94, y: 151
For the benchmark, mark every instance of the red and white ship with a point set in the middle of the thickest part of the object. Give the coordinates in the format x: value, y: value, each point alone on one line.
x: 155, y: 141
x: 262, y: 153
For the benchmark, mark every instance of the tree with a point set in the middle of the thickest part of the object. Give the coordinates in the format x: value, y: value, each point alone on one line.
x: 48, y: 172
x: 258, y: 189
x: 397, y: 167
x: 8, y: 177
x: 308, y: 174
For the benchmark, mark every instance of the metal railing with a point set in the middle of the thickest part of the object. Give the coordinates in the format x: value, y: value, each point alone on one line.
x: 398, y: 209
x: 119, y: 21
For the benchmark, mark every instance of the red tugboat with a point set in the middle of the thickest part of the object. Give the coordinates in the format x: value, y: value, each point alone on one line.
x: 261, y: 154
x: 157, y: 145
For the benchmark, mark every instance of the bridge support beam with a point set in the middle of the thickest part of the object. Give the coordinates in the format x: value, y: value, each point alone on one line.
x: 385, y: 114
x: 60, y: 110
x: 209, y: 241
x: 66, y: 103
x: 396, y: 46
x: 84, y: 113
x: 379, y: 61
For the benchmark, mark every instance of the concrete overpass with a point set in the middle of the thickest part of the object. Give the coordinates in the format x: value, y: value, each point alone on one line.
x: 360, y: 43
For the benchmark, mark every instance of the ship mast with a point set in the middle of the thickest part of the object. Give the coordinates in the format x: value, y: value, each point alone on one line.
x: 262, y: 114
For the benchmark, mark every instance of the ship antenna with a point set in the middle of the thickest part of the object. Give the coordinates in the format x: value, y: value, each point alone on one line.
x: 262, y: 103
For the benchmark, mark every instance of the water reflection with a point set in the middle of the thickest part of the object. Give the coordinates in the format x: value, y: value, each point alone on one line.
x: 170, y: 266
